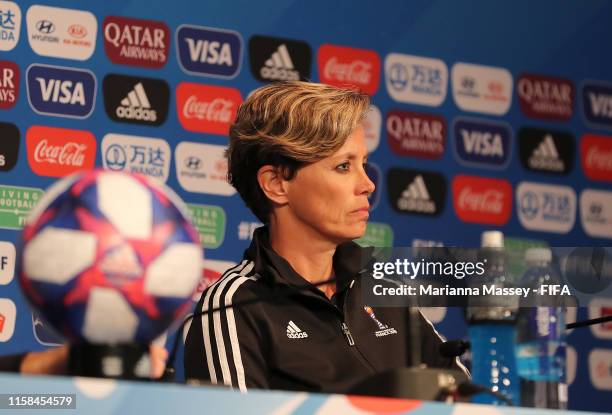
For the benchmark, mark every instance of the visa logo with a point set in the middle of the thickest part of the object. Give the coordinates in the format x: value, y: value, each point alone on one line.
x: 59, y: 91
x: 597, y: 103
x: 64, y: 92
x: 205, y: 51
x: 208, y: 51
x: 482, y: 143
x: 601, y: 104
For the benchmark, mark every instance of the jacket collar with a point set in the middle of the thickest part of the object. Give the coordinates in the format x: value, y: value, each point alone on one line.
x: 349, y: 260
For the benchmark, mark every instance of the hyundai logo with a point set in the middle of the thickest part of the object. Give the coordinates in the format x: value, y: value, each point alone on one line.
x: 193, y: 163
x: 45, y: 26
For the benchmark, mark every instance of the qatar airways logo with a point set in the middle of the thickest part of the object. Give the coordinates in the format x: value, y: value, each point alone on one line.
x: 482, y: 200
x: 206, y: 108
x: 129, y: 41
x: 596, y: 157
x: 57, y: 152
x: 349, y: 67
x: 545, y: 97
x: 415, y: 134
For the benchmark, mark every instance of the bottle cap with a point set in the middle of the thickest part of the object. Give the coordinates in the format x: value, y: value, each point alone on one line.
x: 537, y: 255
x: 492, y: 239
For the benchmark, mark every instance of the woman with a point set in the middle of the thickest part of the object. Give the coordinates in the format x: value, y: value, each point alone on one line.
x: 296, y: 156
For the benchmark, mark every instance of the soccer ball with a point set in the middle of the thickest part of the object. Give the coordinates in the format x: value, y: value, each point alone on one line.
x: 110, y: 258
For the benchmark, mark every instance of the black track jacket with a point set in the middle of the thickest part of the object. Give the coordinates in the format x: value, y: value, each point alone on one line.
x: 295, y: 338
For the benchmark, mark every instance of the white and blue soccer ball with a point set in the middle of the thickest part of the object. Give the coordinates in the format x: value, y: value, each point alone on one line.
x: 110, y: 258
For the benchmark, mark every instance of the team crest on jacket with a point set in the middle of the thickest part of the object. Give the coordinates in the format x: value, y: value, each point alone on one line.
x: 383, y: 329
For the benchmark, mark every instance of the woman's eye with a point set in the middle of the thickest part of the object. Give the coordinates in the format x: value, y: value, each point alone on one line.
x: 344, y: 167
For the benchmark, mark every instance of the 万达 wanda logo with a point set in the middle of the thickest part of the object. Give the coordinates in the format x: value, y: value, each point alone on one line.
x: 217, y: 110
x: 416, y: 79
x: 10, y: 25
x: 134, y: 154
x: 546, y: 207
x: 68, y: 154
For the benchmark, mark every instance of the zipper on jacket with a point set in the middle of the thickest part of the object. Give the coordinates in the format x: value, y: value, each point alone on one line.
x: 347, y: 333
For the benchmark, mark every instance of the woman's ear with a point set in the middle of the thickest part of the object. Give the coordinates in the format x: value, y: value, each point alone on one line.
x: 273, y: 184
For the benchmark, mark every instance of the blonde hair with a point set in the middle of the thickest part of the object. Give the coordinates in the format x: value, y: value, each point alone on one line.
x: 288, y: 125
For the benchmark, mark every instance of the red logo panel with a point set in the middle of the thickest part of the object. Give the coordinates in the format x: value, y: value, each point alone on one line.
x: 596, y: 157
x: 207, y: 108
x: 342, y: 66
x: 414, y: 134
x: 9, y: 84
x: 545, y: 97
x: 482, y: 200
x: 137, y: 42
x: 58, y: 152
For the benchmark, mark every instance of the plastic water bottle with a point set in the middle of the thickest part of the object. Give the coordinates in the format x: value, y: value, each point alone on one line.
x: 492, y: 330
x: 540, y: 342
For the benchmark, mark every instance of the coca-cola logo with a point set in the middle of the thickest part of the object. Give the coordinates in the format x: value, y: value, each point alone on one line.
x: 57, y: 152
x: 69, y: 154
x: 596, y: 157
x: 349, y: 67
x: 489, y: 201
x: 206, y: 108
x: 356, y: 72
x: 217, y: 110
x: 482, y: 199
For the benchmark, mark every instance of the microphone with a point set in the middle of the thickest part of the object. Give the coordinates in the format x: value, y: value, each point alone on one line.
x: 454, y: 348
x: 586, y: 323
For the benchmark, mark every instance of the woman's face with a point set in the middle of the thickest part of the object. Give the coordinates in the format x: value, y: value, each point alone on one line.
x: 331, y: 195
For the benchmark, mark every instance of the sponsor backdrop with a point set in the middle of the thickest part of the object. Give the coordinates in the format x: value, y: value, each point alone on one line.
x: 483, y: 118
